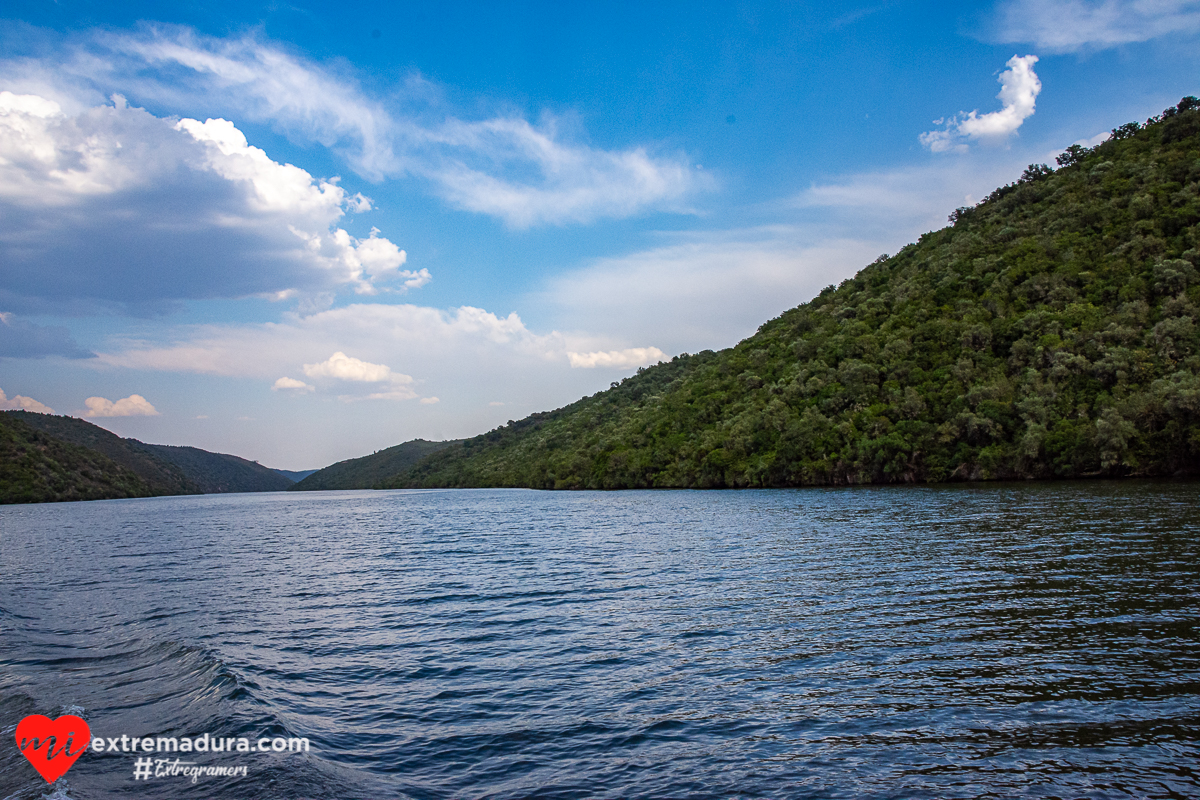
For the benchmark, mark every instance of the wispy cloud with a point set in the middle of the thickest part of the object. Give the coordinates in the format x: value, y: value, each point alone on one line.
x: 1067, y: 26
x: 698, y: 291
x: 179, y: 67
x: 571, y: 182
x: 630, y: 357
x: 1018, y: 94
x: 503, y: 165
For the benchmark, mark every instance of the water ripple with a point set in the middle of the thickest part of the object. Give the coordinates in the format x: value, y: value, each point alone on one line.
x: 988, y: 641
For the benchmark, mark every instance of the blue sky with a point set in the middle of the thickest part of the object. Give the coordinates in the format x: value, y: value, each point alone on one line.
x: 304, y: 232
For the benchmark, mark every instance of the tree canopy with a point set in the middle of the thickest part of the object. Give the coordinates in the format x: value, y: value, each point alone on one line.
x: 1049, y: 331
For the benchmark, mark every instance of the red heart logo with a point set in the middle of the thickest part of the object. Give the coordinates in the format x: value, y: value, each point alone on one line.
x: 49, y: 744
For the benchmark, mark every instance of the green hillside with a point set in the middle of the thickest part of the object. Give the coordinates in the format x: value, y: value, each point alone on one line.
x: 37, y: 468
x: 219, y: 472
x: 368, y: 472
x: 158, y: 469
x: 1050, y: 331
x: 161, y: 476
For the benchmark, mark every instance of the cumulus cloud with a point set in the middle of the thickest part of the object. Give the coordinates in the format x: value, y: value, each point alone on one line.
x: 342, y: 367
x: 22, y: 403
x: 501, y: 165
x: 112, y: 204
x: 22, y: 339
x: 1067, y: 26
x: 1019, y: 90
x: 630, y: 357
x: 133, y: 406
x: 286, y: 384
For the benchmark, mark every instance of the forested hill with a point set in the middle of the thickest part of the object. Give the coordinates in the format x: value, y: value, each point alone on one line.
x: 47, y: 457
x: 1050, y: 331
x: 214, y: 473
x: 161, y: 477
x: 36, y: 467
x: 368, y: 472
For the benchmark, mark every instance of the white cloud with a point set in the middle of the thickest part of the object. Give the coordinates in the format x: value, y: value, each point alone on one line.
x: 340, y: 366
x: 1066, y: 26
x: 133, y: 406
x: 630, y: 357
x: 291, y: 384
x: 22, y: 403
x: 113, y: 204
x: 501, y: 165
x: 574, y: 183
x: 343, y: 367
x: 428, y: 401
x: 1018, y: 93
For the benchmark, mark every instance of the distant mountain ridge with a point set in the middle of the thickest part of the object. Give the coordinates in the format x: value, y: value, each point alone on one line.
x: 72, y: 459
x: 295, y: 475
x: 367, y: 472
x: 215, y: 473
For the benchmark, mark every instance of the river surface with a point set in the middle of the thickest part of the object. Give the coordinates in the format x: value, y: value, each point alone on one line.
x: 1032, y: 640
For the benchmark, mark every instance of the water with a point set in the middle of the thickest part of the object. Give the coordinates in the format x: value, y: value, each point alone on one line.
x: 990, y: 641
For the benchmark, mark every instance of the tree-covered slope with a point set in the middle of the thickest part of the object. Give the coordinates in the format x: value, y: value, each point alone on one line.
x: 368, y: 472
x: 1050, y: 331
x: 162, y: 469
x: 38, y: 468
x: 160, y: 475
x: 220, y: 472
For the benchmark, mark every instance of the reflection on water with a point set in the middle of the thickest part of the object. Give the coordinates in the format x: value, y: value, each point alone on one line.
x: 986, y: 641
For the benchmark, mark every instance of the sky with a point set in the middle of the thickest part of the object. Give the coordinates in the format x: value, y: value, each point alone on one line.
x: 303, y: 232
